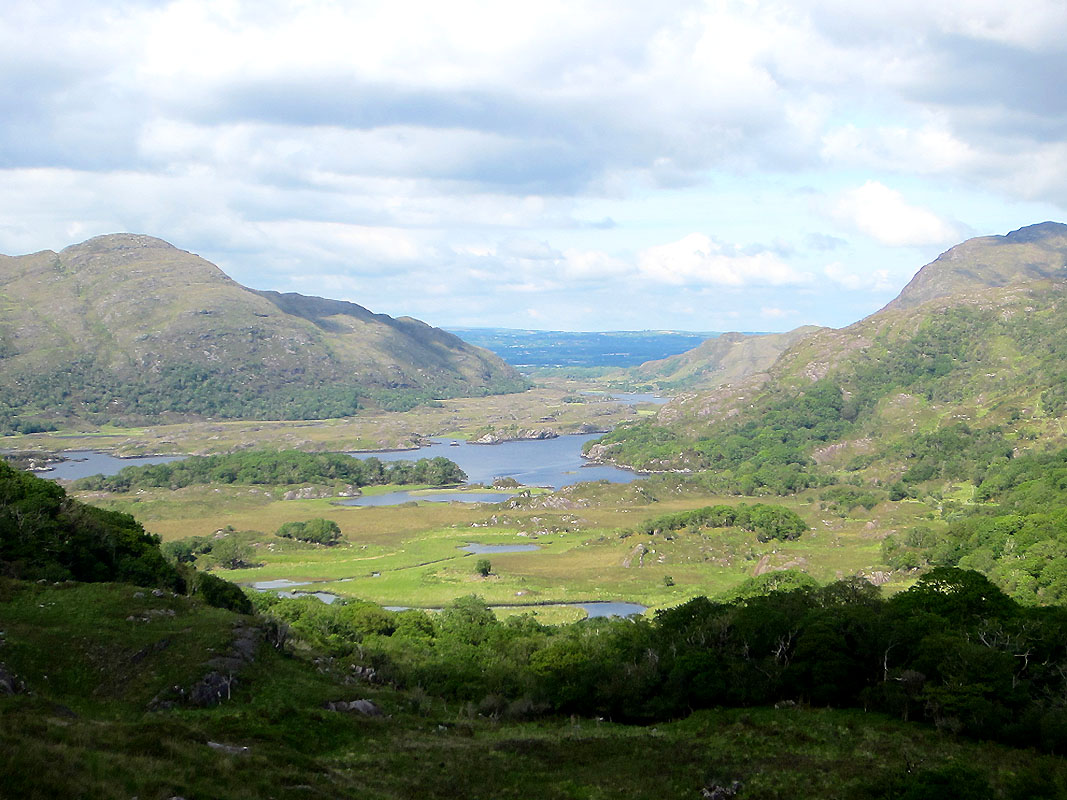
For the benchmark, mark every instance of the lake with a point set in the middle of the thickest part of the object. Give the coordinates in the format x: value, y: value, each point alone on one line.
x: 532, y: 462
x: 630, y: 398
x: 397, y: 498
x: 595, y: 608
x: 483, y: 549
x: 83, y: 463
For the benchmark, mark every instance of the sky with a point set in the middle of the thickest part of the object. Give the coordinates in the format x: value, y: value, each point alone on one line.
x: 578, y: 165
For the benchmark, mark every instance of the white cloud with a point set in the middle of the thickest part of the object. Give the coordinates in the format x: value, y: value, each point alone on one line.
x: 464, y: 143
x: 697, y: 259
x: 874, y: 281
x: 931, y: 148
x: 883, y: 214
x: 593, y: 265
x: 774, y: 312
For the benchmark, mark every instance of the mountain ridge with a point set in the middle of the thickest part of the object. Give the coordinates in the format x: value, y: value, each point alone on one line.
x: 1039, y: 253
x: 975, y: 352
x: 129, y: 326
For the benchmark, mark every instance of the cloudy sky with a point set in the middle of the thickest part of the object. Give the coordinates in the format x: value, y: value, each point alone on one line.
x: 577, y: 165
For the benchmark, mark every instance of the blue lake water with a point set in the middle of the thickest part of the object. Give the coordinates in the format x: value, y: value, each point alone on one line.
x: 83, y: 463
x: 630, y: 398
x: 607, y: 609
x: 592, y: 609
x: 534, y: 462
x: 483, y: 549
x: 397, y: 498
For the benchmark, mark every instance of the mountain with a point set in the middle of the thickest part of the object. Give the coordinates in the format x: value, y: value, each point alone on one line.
x: 724, y: 359
x: 1036, y: 252
x: 127, y: 326
x: 965, y: 368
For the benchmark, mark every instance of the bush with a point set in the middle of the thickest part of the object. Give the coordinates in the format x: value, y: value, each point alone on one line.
x: 317, y: 531
x: 222, y: 594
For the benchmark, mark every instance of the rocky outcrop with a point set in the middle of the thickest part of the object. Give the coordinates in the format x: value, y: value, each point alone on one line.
x: 365, y: 707
x: 499, y: 437
x: 321, y: 492
x: 599, y: 453
x: 10, y: 683
x: 218, y: 684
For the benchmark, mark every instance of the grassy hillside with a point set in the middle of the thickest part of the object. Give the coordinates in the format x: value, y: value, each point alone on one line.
x: 111, y: 690
x: 126, y: 327
x: 949, y: 384
x: 728, y: 358
x: 83, y: 728
x: 1036, y: 252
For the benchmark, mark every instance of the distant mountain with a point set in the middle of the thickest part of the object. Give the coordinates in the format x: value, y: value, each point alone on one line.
x: 716, y: 362
x: 128, y: 327
x: 598, y: 349
x: 965, y: 367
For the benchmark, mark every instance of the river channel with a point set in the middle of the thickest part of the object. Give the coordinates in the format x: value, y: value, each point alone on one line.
x: 594, y: 608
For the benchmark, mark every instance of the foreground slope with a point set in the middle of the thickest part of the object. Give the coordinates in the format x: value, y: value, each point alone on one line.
x: 968, y: 362
x: 126, y: 326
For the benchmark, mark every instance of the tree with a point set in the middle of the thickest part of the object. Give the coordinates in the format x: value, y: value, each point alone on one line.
x: 318, y: 531
x: 231, y: 554
x: 483, y: 567
x: 321, y: 531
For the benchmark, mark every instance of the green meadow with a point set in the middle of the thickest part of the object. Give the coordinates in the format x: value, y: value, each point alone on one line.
x: 588, y: 549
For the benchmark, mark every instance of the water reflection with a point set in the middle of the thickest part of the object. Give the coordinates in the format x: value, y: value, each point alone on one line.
x: 533, y: 462
x: 484, y: 549
x: 396, y: 498
x: 83, y: 463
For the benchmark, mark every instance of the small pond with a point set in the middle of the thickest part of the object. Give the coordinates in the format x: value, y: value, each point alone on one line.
x: 630, y: 398
x: 485, y: 549
x: 608, y: 609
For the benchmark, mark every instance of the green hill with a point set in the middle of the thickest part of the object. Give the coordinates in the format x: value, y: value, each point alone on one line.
x: 716, y: 362
x: 967, y: 366
x: 127, y: 327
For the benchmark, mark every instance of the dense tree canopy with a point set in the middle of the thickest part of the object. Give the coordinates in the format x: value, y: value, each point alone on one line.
x: 278, y: 468
x: 953, y: 650
x: 45, y: 534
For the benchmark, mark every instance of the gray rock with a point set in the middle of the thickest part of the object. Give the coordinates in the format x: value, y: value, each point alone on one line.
x: 365, y: 707
x: 231, y: 749
x: 211, y: 690
x: 10, y: 683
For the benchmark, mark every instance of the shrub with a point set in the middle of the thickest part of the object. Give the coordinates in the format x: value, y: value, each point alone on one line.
x: 317, y: 531
x: 222, y: 594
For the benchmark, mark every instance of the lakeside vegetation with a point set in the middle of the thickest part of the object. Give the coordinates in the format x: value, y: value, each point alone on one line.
x: 466, y: 691
x: 277, y: 468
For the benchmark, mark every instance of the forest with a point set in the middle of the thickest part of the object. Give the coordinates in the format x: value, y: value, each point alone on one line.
x: 277, y: 468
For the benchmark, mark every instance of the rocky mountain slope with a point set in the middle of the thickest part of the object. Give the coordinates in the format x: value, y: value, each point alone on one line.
x: 126, y: 326
x: 1034, y: 253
